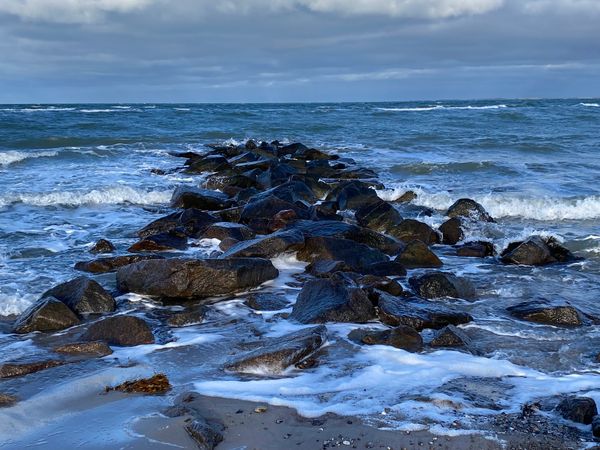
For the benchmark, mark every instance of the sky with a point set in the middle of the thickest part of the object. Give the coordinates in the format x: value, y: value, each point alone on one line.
x: 71, y: 51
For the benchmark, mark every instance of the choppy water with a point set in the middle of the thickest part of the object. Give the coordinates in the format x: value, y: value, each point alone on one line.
x: 70, y: 174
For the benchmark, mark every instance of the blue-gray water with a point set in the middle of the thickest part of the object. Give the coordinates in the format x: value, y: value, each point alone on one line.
x: 70, y: 174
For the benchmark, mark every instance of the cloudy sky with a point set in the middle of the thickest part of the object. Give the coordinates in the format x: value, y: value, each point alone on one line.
x: 296, y: 50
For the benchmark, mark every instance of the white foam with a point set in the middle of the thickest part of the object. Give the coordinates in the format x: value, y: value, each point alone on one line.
x: 441, y: 107
x: 506, y: 205
x: 590, y: 105
x: 111, y: 110
x: 106, y: 196
x: 14, y: 304
x: 14, y: 156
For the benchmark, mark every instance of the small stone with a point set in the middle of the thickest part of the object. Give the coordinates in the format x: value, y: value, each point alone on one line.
x: 260, y: 409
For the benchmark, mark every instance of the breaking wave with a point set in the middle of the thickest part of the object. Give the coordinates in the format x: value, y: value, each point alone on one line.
x: 441, y: 107
x: 13, y: 156
x: 590, y: 105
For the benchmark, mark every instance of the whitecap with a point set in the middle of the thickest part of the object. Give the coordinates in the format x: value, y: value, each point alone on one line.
x: 14, y: 156
x: 590, y: 105
x: 441, y: 107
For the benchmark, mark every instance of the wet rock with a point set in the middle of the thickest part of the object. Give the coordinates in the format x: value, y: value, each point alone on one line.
x: 370, y: 283
x: 267, y: 246
x: 404, y: 337
x: 7, y: 400
x: 385, y: 268
x: 94, y: 348
x: 325, y: 300
x: 156, y: 385
x: 210, y: 163
x: 410, y: 230
x: 206, y: 435
x: 227, y: 243
x: 259, y: 214
x: 354, y: 255
x: 418, y: 254
x: 229, y: 214
x: 441, y: 284
x: 536, y: 251
x: 407, y: 197
x: 324, y: 268
x: 103, y: 246
x: 450, y: 336
x: 84, y: 296
x: 578, y: 409
x: 189, y: 278
x: 186, y: 318
x: 224, y: 230
x: 380, y: 216
x: 124, y: 331
x: 277, y: 354
x: 396, y: 311
x: 324, y: 211
x: 231, y: 180
x: 465, y: 207
x: 452, y: 231
x: 161, y: 242
x: 104, y: 265
x: 48, y: 314
x: 11, y: 370
x: 191, y: 197
x: 266, y: 301
x: 476, y: 249
x: 191, y: 221
x: 353, y: 195
x: 291, y: 192
x: 547, y: 313
x: 595, y: 424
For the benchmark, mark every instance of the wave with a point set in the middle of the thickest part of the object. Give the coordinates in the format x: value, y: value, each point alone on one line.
x: 501, y: 205
x: 33, y: 109
x: 111, y: 110
x: 590, y: 105
x: 109, y: 196
x: 13, y: 156
x: 441, y: 107
x: 14, y: 304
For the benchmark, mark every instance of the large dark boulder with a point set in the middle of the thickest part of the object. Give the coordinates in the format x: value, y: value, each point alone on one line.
x: 578, y: 409
x: 452, y: 231
x: 191, y: 221
x: 84, y: 296
x: 209, y: 163
x: 396, y: 311
x: 356, y: 256
x: 124, y: 331
x: 48, y: 314
x: 402, y: 336
x: 104, y: 265
x: 259, y: 214
x: 418, y: 254
x: 291, y: 192
x: 411, y: 229
x: 194, y: 278
x: 231, y: 230
x: 385, y: 268
x: 476, y: 249
x: 353, y: 195
x: 536, y: 251
x: 277, y: 354
x: 465, y: 207
x: 191, y: 197
x: 161, y: 242
x: 380, y: 216
x: 548, y: 313
x: 267, y: 246
x: 325, y: 300
x: 441, y: 284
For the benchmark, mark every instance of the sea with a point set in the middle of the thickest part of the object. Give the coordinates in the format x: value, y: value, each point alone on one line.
x: 71, y: 174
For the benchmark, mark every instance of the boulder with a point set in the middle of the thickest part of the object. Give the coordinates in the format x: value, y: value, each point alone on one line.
x: 452, y: 231
x: 434, y: 285
x: 186, y: 318
x: 418, y: 254
x: 407, y: 197
x: 103, y: 246
x: 277, y: 354
x: 11, y: 370
x: 385, y: 268
x: 353, y: 195
x: 48, y: 314
x: 291, y: 192
x: 191, y: 221
x: 206, y: 435
x: 194, y: 278
x: 267, y: 246
x: 208, y: 163
x: 191, y: 197
x: 476, y: 249
x: 465, y: 207
x: 536, y: 251
x: 325, y: 300
x: 161, y: 242
x: 259, y: 214
x: 354, y: 255
x: 84, y: 296
x: 402, y: 336
x: 372, y: 283
x: 104, y: 265
x: 124, y: 331
x: 94, y: 348
x: 578, y: 409
x: 547, y: 313
x: 266, y: 301
x: 410, y: 229
x: 224, y: 230
x: 380, y: 216
x: 324, y: 268
x: 450, y: 336
x: 396, y: 311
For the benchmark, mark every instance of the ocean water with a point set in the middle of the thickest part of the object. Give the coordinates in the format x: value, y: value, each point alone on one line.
x: 71, y: 174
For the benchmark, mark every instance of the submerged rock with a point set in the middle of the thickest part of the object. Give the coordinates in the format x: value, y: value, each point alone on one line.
x: 11, y: 370
x: 547, y: 313
x: 186, y: 318
x: 266, y: 301
x: 7, y: 400
x: 418, y: 254
x: 434, y: 285
x: 48, y: 314
x: 104, y: 265
x: 190, y: 278
x: 84, y: 296
x: 124, y: 331
x: 578, y: 409
x: 536, y: 251
x: 403, y: 336
x: 325, y: 300
x: 103, y: 246
x: 277, y: 354
x: 157, y: 384
x: 94, y: 348
x: 450, y: 336
x: 465, y: 207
